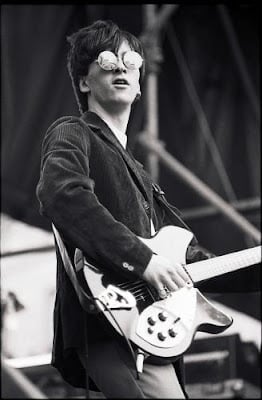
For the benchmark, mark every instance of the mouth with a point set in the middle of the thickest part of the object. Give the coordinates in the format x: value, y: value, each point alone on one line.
x: 120, y: 82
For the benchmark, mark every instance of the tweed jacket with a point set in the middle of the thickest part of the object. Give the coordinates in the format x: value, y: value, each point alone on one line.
x: 99, y: 198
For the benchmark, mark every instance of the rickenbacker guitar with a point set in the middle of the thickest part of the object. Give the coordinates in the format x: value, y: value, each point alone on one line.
x: 165, y: 327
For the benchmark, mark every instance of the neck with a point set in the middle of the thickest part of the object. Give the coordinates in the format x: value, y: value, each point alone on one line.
x: 119, y: 119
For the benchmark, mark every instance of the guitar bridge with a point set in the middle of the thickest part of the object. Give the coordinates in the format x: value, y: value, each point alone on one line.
x: 114, y: 298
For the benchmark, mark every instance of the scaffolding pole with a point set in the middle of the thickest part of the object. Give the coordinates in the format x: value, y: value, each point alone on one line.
x: 203, y: 122
x: 154, y: 21
x: 247, y: 205
x: 200, y: 114
x: 200, y: 187
x: 151, y: 86
x: 15, y: 385
x: 239, y: 59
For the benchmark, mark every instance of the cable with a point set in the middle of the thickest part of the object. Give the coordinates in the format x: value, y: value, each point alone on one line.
x: 82, y: 295
x: 122, y: 332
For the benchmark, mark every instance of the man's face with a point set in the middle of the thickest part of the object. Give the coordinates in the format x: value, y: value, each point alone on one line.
x: 118, y: 87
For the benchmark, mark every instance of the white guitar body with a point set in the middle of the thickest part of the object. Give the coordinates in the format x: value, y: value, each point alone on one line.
x: 172, y: 243
x: 164, y: 328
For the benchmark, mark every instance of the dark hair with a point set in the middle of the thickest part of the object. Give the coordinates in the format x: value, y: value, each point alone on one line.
x: 87, y: 43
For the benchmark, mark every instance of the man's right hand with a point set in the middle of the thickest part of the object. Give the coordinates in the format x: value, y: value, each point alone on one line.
x: 160, y: 273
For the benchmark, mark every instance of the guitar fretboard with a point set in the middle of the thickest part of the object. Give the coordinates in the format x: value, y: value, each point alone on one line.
x: 220, y: 265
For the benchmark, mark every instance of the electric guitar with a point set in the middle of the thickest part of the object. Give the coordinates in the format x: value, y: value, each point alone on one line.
x: 165, y: 327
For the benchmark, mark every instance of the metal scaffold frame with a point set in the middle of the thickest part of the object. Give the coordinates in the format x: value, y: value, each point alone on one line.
x: 155, y: 19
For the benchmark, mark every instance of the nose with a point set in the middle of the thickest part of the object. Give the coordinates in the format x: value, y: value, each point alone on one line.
x: 120, y: 66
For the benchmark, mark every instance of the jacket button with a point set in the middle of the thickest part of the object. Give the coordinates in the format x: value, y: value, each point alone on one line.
x: 128, y: 266
x: 146, y: 207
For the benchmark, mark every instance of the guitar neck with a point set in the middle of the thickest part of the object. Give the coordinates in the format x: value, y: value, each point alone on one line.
x: 220, y: 265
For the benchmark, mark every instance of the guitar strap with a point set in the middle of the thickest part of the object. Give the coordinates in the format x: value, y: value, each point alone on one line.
x: 85, y: 300
x: 170, y: 209
x: 194, y: 250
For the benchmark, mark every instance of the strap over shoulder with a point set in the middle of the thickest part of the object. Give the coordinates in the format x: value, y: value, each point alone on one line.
x: 159, y: 195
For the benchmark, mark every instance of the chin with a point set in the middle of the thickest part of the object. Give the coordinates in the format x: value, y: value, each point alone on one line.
x: 123, y: 102
x: 125, y: 99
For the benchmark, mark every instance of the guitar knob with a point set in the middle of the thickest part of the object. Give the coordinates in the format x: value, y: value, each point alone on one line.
x: 161, y: 336
x: 150, y: 330
x: 162, y: 316
x: 151, y: 320
x: 171, y: 332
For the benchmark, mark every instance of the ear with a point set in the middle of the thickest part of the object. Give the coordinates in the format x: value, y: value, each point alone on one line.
x: 83, y: 85
x: 138, y: 95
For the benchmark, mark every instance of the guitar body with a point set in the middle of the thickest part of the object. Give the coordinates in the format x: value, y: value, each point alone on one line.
x: 161, y: 327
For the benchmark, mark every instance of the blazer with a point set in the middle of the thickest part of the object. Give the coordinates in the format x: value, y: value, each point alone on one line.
x: 99, y: 198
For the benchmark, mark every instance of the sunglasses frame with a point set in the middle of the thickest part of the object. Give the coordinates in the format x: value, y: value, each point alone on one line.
x: 112, y: 65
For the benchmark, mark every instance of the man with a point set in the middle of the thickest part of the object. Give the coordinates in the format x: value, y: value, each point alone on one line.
x: 101, y: 199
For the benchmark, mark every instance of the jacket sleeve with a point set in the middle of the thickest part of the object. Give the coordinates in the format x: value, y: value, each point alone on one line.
x: 67, y: 197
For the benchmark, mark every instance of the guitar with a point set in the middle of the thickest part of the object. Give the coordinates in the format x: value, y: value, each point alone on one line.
x: 165, y: 327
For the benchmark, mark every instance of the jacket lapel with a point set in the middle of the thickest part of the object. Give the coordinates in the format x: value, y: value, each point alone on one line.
x: 136, y: 169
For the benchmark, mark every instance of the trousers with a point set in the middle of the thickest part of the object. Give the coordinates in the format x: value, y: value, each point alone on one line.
x: 110, y: 365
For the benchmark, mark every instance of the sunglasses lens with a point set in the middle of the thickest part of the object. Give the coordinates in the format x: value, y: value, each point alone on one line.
x: 107, y: 60
x: 132, y: 60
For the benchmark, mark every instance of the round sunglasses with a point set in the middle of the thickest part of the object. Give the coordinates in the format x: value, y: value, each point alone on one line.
x: 108, y: 61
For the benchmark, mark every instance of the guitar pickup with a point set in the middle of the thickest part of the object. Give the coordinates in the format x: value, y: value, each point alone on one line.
x: 114, y: 298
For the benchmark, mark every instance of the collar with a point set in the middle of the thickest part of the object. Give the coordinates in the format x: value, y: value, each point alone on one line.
x: 97, y: 124
x: 95, y: 121
x: 119, y: 134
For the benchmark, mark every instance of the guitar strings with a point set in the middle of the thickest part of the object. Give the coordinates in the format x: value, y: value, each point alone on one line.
x: 130, y: 284
x: 136, y: 288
